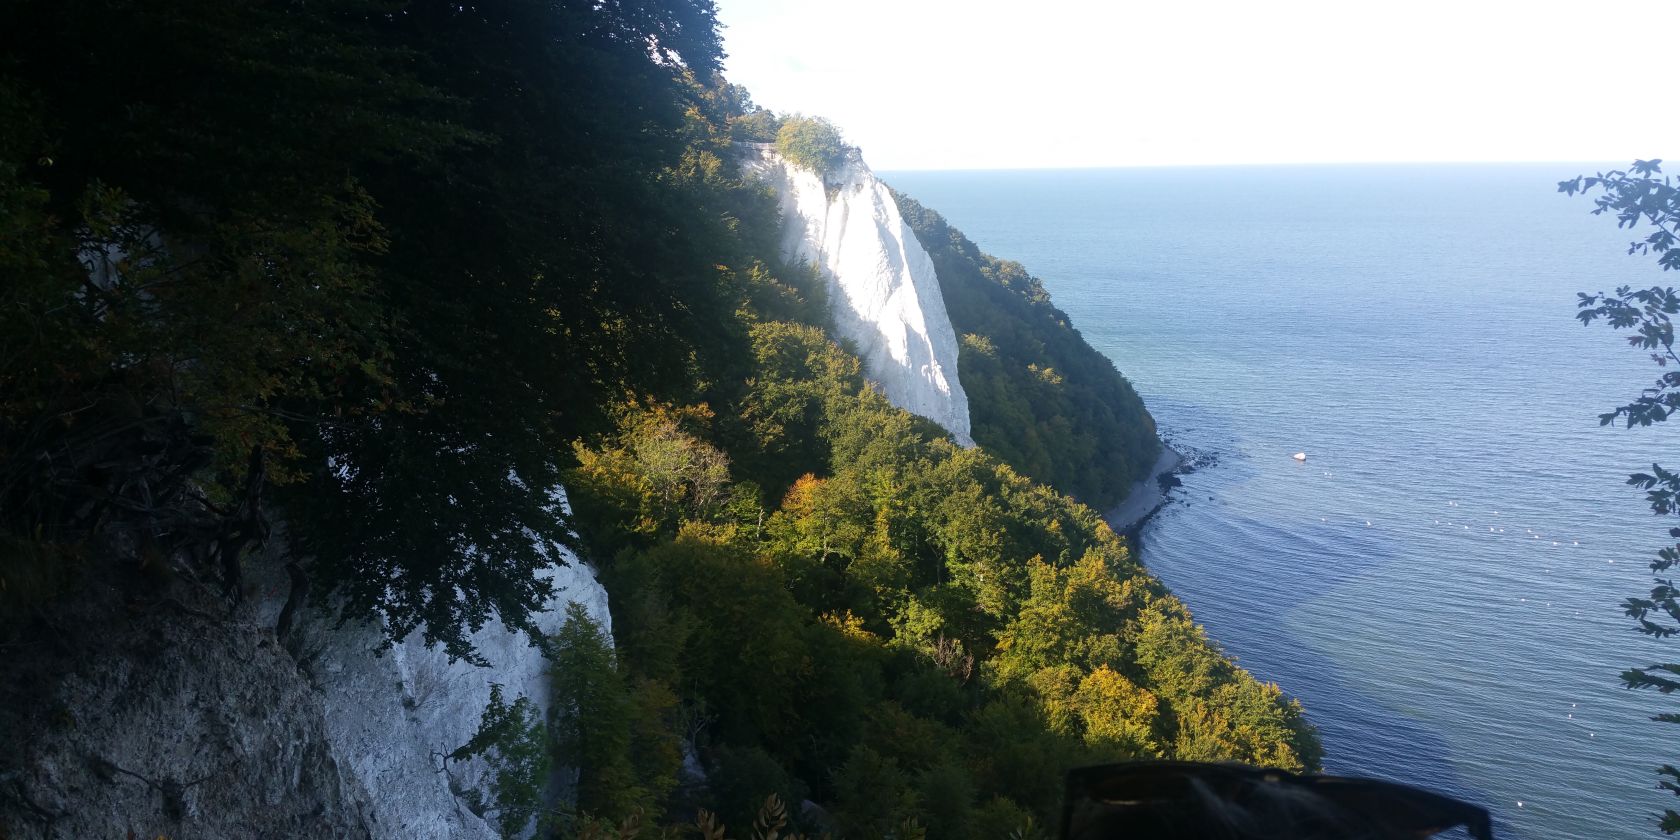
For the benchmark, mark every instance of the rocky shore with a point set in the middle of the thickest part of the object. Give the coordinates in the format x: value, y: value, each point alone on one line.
x: 1146, y: 495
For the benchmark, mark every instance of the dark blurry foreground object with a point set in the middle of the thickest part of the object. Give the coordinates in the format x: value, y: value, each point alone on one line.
x: 1185, y: 799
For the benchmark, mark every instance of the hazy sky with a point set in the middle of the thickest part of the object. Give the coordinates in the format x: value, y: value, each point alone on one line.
x: 950, y: 84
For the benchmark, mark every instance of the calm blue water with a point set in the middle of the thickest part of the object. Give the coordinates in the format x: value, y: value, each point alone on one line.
x: 1438, y: 583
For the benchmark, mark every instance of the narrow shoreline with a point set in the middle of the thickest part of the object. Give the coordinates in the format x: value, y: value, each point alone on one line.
x: 1146, y: 496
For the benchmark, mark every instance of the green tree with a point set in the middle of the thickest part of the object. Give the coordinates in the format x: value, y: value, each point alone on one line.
x: 812, y: 142
x: 403, y: 254
x: 513, y: 741
x: 873, y: 795
x: 527, y: 295
x: 592, y: 716
x: 653, y: 468
x: 1642, y: 198
x: 741, y: 779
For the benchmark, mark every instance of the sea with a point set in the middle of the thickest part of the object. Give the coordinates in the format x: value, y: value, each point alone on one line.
x: 1440, y: 581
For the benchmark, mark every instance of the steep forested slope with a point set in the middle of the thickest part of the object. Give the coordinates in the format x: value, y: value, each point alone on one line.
x: 399, y: 272
x: 913, y: 631
x: 1041, y: 398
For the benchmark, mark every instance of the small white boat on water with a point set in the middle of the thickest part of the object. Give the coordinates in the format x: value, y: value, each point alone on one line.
x: 1299, y: 456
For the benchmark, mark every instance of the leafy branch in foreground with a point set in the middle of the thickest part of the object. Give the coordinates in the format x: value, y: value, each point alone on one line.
x: 1643, y: 198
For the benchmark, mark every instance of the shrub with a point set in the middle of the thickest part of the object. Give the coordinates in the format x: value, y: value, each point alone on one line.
x: 812, y: 142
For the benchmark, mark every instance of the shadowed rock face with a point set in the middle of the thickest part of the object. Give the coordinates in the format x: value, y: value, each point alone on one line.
x: 390, y: 718
x: 882, y: 290
x: 160, y: 714
x: 155, y: 718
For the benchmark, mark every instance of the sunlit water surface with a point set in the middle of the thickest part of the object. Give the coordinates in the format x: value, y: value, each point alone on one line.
x: 1439, y: 581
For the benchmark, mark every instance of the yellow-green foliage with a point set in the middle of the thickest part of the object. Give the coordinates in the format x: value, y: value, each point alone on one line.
x: 812, y: 142
x: 656, y: 475
x: 912, y: 629
x: 1118, y: 715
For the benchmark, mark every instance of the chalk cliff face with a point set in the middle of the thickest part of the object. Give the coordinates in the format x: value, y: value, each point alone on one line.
x: 882, y: 288
x: 163, y: 718
x: 171, y: 717
x: 390, y: 719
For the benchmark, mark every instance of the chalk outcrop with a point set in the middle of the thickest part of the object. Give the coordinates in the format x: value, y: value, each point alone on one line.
x: 882, y: 289
x: 391, y: 718
x: 168, y: 717
x: 163, y: 718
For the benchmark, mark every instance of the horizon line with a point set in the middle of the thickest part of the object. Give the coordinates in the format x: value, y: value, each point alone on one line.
x: 1257, y: 164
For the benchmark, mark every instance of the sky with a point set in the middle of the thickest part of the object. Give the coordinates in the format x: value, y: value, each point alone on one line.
x: 1001, y: 84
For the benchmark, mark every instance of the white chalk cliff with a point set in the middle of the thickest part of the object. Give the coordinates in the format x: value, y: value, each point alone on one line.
x: 188, y: 722
x: 882, y: 289
x: 391, y: 718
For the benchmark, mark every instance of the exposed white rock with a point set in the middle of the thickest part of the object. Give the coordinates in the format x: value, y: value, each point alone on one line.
x: 882, y: 288
x: 391, y: 718
x: 158, y: 717
x: 163, y: 716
